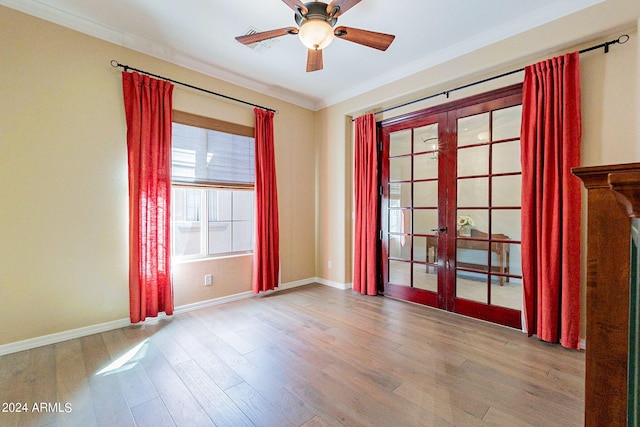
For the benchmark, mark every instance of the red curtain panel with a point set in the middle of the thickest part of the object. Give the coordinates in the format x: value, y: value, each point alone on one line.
x: 366, y: 205
x: 266, y: 253
x: 551, y: 200
x: 148, y: 104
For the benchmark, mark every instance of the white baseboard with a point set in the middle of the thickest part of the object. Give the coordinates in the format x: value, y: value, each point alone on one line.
x: 337, y: 285
x: 296, y: 284
x: 28, y: 344
x: 212, y: 302
x: 17, y: 346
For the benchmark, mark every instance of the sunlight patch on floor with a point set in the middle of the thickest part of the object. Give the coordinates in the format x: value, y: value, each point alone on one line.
x: 126, y: 361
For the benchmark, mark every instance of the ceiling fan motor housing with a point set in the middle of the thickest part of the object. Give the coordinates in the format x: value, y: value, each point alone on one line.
x: 316, y: 10
x: 316, y: 21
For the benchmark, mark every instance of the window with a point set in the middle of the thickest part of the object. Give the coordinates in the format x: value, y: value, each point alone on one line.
x: 213, y: 177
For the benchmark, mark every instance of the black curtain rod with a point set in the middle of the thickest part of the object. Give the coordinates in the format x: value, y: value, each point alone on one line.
x: 116, y: 64
x: 620, y: 40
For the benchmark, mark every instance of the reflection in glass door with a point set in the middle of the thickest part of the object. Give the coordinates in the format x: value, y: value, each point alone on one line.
x: 450, y: 207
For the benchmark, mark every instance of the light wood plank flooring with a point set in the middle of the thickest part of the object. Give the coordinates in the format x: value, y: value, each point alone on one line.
x: 311, y: 356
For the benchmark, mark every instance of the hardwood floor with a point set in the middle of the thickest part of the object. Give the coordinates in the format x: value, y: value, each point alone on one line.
x: 312, y: 356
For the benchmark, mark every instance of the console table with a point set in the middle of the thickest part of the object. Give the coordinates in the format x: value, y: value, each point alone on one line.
x: 478, y: 241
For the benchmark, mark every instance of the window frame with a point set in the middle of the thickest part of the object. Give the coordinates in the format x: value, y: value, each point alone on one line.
x: 203, y: 122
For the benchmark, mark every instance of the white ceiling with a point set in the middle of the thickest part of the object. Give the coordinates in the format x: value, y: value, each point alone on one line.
x: 199, y: 34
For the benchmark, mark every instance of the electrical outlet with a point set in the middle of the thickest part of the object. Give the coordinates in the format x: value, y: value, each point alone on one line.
x: 208, y: 279
x: 330, y: 264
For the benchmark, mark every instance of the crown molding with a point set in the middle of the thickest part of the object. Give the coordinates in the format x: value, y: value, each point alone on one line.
x: 522, y: 24
x: 138, y: 44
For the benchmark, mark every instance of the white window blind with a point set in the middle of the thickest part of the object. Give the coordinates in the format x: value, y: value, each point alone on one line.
x: 203, y: 156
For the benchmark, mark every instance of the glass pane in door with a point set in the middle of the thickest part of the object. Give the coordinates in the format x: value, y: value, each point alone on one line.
x: 472, y: 286
x: 425, y: 166
x: 399, y: 247
x: 473, y: 192
x: 400, y: 143
x: 425, y: 194
x: 506, y: 123
x: 473, y: 129
x: 506, y: 222
x: 473, y: 161
x: 425, y: 221
x: 472, y: 254
x: 425, y: 277
x: 479, y: 219
x: 426, y: 139
x: 400, y: 273
x: 400, y: 169
x: 507, y: 190
x: 506, y: 157
x: 420, y: 248
x: 507, y: 291
x: 400, y: 195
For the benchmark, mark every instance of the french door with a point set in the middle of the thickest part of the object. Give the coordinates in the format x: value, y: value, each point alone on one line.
x: 450, y: 207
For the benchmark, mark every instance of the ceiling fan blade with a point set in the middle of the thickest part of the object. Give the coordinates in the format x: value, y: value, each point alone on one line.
x: 293, y: 3
x: 265, y: 35
x: 344, y: 5
x: 314, y: 60
x: 372, y: 39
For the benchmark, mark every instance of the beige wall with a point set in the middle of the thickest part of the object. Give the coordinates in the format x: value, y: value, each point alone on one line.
x: 610, y: 108
x: 63, y: 168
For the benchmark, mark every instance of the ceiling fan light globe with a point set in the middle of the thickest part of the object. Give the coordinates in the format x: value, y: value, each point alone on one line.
x: 315, y: 34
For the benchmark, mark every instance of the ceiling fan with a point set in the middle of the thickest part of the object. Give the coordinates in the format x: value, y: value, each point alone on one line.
x: 315, y: 29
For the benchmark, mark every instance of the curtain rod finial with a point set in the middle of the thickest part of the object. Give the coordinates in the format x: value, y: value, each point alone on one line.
x: 623, y: 39
x: 116, y: 64
x: 620, y: 40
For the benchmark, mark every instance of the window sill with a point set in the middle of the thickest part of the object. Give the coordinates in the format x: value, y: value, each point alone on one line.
x: 209, y: 258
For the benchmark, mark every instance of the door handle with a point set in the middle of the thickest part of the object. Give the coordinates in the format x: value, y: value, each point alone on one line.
x: 440, y: 229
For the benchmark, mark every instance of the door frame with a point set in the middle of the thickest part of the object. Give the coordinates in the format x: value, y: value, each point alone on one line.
x: 445, y: 298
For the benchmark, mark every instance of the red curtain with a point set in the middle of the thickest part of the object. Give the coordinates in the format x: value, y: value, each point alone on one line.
x: 148, y: 104
x: 551, y: 200
x: 366, y: 200
x: 266, y: 254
